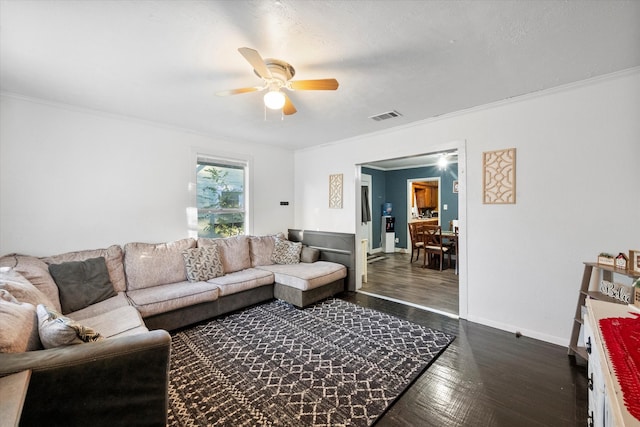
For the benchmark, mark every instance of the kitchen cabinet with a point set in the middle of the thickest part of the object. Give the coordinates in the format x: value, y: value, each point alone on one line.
x: 427, y: 197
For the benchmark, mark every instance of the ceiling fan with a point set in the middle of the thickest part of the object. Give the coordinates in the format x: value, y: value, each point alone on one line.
x: 276, y: 75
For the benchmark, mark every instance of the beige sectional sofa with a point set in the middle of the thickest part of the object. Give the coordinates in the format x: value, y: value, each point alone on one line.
x: 122, y: 377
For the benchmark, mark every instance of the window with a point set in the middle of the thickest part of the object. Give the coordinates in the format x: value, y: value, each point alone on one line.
x: 221, y: 197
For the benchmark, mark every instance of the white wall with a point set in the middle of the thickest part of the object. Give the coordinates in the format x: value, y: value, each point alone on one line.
x: 73, y: 179
x: 578, y: 193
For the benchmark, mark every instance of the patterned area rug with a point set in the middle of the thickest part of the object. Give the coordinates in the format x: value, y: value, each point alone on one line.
x: 334, y: 363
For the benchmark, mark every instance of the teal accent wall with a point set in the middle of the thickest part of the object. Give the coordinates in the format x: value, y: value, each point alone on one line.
x: 391, y: 186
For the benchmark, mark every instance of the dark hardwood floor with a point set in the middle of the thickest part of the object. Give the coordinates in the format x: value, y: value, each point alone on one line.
x: 487, y: 377
x: 395, y: 277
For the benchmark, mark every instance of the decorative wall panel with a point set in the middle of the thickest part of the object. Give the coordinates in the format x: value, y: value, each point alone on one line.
x: 499, y: 176
x: 335, y: 191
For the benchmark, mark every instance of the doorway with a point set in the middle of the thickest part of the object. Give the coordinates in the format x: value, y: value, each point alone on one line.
x: 401, y: 268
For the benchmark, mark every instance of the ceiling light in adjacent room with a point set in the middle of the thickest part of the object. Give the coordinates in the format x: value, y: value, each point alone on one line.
x: 442, y: 161
x: 274, y: 99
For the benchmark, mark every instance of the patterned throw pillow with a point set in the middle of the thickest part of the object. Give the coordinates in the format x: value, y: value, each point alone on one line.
x: 286, y: 252
x: 57, y: 330
x: 203, y: 263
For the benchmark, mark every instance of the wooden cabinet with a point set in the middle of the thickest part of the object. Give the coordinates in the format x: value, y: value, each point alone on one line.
x: 426, y: 195
x: 606, y: 402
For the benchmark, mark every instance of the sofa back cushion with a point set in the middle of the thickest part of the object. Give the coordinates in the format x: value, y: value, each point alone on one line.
x: 36, y: 272
x: 112, y: 255
x: 261, y: 249
x: 149, y: 264
x: 234, y: 252
x: 21, y: 289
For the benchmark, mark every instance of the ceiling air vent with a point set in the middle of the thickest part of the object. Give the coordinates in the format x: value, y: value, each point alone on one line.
x: 384, y: 116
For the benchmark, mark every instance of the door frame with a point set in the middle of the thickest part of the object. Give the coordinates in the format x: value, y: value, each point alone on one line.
x: 366, y: 180
x: 461, y: 147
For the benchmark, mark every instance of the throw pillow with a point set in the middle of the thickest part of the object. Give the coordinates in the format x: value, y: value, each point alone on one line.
x: 309, y: 255
x: 19, y: 331
x: 286, y: 252
x: 82, y: 283
x: 57, y: 330
x: 202, y: 263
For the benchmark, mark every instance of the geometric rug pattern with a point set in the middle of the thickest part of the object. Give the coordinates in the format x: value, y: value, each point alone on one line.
x: 331, y: 364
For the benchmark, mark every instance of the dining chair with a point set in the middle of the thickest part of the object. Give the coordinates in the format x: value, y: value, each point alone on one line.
x: 432, y: 238
x: 416, y: 240
x: 452, y: 244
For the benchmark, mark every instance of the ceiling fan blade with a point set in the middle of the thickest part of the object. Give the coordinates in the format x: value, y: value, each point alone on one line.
x: 256, y: 61
x: 239, y: 91
x: 288, y: 108
x: 321, y: 84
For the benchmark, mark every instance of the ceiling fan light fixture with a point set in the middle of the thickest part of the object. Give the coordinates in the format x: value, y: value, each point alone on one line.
x: 274, y: 99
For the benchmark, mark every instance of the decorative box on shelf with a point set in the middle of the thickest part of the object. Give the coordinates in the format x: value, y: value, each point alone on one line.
x: 607, y: 259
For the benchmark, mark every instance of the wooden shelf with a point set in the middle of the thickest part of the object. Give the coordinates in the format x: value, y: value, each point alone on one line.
x: 608, y: 268
x: 606, y: 272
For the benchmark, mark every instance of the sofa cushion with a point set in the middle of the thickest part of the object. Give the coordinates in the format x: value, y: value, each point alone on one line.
x: 164, y: 298
x: 106, y: 306
x: 147, y: 265
x: 21, y: 289
x: 119, y: 322
x: 112, y: 255
x: 286, y: 252
x: 19, y: 331
x: 309, y: 255
x: 239, y: 281
x: 234, y: 252
x: 36, y: 272
x: 202, y: 263
x: 307, y: 276
x: 82, y: 283
x: 261, y: 249
x: 57, y: 330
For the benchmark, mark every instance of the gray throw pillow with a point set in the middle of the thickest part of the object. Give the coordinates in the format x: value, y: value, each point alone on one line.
x: 82, y: 283
x: 309, y: 255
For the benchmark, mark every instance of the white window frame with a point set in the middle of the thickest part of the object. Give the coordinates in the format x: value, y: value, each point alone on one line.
x: 201, y: 156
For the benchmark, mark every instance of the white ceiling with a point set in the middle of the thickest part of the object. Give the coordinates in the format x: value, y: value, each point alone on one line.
x: 163, y: 61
